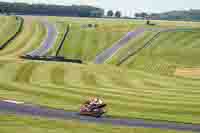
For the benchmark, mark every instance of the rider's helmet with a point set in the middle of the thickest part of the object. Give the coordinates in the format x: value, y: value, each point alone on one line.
x: 97, y: 101
x: 100, y: 101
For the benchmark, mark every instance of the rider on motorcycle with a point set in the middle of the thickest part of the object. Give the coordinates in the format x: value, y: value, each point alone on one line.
x: 93, y: 103
x: 93, y: 107
x: 96, y: 101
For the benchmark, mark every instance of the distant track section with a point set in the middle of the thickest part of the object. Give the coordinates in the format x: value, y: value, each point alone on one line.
x: 21, y: 109
x: 149, y: 42
x: 139, y: 49
x: 105, y: 55
x: 49, y: 41
x: 21, y: 21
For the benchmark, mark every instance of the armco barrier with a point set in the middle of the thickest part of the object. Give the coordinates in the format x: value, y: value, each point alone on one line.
x: 16, y: 33
x: 63, y: 40
x: 52, y: 58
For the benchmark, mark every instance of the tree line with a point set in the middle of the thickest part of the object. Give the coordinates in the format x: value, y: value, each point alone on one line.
x: 116, y: 14
x: 190, y: 15
x: 50, y: 10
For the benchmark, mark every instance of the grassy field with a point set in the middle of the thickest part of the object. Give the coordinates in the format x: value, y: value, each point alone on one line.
x: 138, y: 42
x: 132, y: 46
x: 85, y: 43
x: 143, y: 87
x: 129, y: 94
x: 40, y: 125
x: 8, y: 28
x: 30, y: 38
x: 171, y: 50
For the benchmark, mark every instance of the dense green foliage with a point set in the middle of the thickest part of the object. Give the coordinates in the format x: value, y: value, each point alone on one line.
x: 54, y: 10
x: 110, y: 13
x: 186, y: 15
x: 181, y: 15
x: 118, y: 14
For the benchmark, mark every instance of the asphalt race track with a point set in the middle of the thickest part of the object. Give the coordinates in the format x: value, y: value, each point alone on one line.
x: 101, y: 58
x: 22, y: 109
x: 48, y: 42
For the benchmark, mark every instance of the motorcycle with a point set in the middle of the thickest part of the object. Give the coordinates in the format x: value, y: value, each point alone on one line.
x: 93, y: 110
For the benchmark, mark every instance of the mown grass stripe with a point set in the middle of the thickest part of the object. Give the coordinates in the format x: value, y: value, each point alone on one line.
x: 11, y: 35
x: 36, y: 39
x: 26, y: 34
x: 127, y: 96
x: 57, y: 75
x: 135, y: 106
x: 25, y: 72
